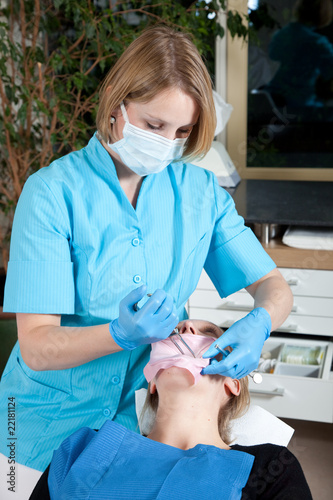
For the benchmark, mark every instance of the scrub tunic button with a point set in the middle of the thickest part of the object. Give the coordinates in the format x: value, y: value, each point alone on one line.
x: 137, y: 278
x: 106, y: 412
x: 115, y: 380
x: 135, y: 242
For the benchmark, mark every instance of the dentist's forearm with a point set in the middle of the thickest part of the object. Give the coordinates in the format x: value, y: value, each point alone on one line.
x: 45, y: 345
x: 273, y: 293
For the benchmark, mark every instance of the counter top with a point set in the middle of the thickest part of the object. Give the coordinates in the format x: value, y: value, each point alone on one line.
x: 297, y: 203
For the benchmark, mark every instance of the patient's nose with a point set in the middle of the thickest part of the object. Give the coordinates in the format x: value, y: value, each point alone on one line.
x: 188, y: 327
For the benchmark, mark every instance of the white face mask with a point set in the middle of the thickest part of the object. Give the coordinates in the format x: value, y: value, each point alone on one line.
x: 145, y: 152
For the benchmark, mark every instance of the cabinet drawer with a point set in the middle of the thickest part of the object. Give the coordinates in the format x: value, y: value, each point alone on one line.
x: 297, y: 391
x: 310, y: 282
x: 309, y: 325
x: 211, y: 299
x: 305, y: 306
x: 205, y: 282
x: 301, y: 399
x: 307, y: 282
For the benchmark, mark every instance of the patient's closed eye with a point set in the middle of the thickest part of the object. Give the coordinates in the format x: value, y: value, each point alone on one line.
x: 211, y: 329
x: 208, y: 330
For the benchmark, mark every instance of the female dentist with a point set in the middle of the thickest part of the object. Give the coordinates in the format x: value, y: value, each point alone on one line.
x: 124, y: 216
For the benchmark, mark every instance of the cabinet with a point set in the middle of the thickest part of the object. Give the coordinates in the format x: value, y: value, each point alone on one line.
x: 292, y: 390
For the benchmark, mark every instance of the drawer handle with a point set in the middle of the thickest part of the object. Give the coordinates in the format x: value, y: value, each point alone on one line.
x: 287, y: 329
x: 292, y: 282
x: 279, y: 391
x: 231, y: 306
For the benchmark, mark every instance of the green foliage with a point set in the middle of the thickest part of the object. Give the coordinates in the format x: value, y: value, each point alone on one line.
x: 262, y: 17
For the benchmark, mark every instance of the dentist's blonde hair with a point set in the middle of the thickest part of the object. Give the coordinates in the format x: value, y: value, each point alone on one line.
x: 158, y: 60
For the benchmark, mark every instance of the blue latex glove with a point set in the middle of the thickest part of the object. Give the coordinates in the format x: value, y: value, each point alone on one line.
x: 154, y: 321
x: 246, y: 337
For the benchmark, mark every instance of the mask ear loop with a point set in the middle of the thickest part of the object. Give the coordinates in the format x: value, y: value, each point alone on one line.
x: 124, y: 112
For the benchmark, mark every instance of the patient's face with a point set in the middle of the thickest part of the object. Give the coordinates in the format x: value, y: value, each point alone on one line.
x: 175, y: 378
x: 199, y: 327
x: 203, y: 328
x: 170, y: 360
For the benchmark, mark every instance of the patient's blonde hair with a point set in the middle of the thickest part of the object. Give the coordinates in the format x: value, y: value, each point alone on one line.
x: 158, y: 60
x: 235, y: 407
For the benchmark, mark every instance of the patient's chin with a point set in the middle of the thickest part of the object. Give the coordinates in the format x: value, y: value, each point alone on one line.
x: 176, y: 378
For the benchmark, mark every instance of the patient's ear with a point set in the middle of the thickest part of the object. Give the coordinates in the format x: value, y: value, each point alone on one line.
x: 232, y: 385
x: 152, y: 387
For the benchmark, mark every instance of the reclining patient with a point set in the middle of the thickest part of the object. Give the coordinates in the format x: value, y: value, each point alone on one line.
x: 187, y: 454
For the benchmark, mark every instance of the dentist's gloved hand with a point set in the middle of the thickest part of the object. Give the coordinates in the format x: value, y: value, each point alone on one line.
x: 246, y: 337
x: 154, y: 321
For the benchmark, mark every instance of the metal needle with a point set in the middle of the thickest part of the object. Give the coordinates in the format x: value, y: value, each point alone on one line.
x: 176, y: 332
x: 256, y: 377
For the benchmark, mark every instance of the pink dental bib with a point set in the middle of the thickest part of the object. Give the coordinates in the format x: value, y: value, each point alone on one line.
x: 165, y: 354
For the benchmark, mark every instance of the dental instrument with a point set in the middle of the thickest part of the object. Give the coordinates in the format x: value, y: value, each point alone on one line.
x: 256, y: 377
x: 164, y: 355
x: 136, y: 307
x: 174, y: 333
x: 171, y: 337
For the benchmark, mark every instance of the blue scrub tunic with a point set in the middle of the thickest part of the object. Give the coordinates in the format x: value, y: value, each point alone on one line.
x: 78, y: 247
x: 117, y: 463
